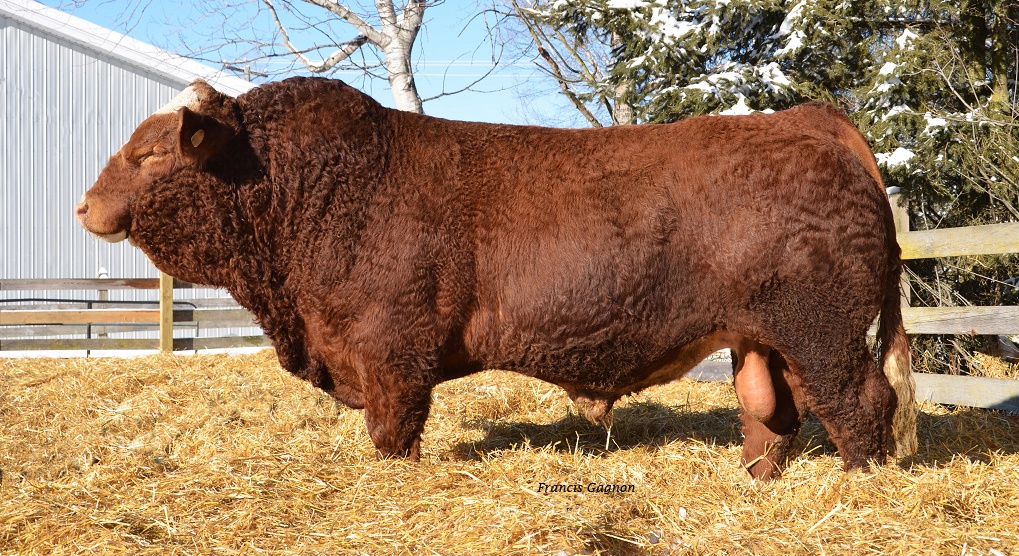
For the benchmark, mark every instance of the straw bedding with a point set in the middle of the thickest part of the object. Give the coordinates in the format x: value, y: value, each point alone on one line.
x: 230, y: 455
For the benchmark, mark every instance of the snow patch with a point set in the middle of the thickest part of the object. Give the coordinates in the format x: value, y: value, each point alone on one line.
x: 794, y: 43
x: 898, y: 157
x: 773, y: 77
x: 705, y: 86
x: 905, y: 39
x: 895, y: 111
x: 715, y: 82
x: 624, y: 4
x: 637, y: 62
x: 738, y: 109
x: 933, y: 123
x: 670, y: 28
x: 742, y: 79
x: 888, y: 69
x: 794, y: 16
x: 891, y: 80
x: 887, y: 85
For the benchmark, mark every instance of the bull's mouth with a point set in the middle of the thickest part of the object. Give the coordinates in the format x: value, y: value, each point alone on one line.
x: 113, y: 238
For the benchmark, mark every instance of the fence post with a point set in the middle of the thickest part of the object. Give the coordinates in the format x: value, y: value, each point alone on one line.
x: 102, y: 295
x: 165, y: 313
x: 900, y: 215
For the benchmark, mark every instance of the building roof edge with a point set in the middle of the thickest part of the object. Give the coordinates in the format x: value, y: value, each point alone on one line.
x: 107, y: 41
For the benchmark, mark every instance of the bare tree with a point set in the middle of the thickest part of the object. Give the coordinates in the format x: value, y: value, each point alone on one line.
x: 577, y: 59
x: 272, y: 38
x: 394, y: 36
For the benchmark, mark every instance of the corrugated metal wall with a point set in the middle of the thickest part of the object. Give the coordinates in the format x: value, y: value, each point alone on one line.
x: 64, y: 110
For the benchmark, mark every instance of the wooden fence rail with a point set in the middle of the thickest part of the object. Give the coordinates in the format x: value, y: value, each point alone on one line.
x: 20, y: 324
x: 212, y: 318
x: 23, y: 323
x: 991, y: 239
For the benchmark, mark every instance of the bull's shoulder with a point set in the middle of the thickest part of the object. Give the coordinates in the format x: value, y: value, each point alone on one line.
x: 821, y: 118
x: 302, y: 88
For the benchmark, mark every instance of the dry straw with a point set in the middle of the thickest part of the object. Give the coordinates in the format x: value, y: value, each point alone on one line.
x: 230, y: 455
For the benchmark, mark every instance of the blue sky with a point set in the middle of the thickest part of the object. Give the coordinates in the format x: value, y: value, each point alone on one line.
x: 453, y: 50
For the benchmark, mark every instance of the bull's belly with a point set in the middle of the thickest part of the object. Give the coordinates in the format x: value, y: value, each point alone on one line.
x: 595, y: 398
x: 667, y: 368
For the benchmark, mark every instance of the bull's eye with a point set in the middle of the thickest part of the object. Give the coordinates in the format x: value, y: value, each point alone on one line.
x: 139, y: 155
x: 142, y: 156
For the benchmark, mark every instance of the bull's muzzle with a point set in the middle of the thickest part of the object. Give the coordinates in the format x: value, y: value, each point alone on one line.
x: 81, y: 211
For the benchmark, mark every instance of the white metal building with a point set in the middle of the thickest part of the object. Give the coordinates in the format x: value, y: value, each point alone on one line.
x: 71, y: 93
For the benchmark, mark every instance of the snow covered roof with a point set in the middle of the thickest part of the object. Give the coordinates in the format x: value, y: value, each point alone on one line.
x: 111, y: 43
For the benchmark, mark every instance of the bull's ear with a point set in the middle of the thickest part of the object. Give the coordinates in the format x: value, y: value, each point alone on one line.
x: 201, y: 137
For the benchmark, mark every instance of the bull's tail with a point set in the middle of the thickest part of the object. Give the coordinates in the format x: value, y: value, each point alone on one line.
x: 895, y: 358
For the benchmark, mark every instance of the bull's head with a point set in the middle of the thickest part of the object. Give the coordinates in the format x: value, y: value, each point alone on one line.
x: 188, y: 131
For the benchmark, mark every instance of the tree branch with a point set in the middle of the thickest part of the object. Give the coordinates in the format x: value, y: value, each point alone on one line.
x: 555, y: 69
x: 374, y: 36
x: 387, y: 14
x: 410, y: 20
x: 577, y: 103
x: 584, y: 70
x: 495, y: 64
x: 340, y: 55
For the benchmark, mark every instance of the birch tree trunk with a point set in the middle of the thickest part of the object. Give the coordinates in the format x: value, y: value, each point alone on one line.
x: 401, y: 81
x: 402, y: 30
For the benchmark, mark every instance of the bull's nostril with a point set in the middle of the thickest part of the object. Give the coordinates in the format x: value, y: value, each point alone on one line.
x: 82, y: 208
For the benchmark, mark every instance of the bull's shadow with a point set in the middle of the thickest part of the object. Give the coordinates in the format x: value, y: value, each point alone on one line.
x: 642, y: 424
x: 975, y: 434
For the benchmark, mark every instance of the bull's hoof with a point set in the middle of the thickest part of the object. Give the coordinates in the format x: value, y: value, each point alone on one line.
x: 597, y: 411
x: 413, y: 453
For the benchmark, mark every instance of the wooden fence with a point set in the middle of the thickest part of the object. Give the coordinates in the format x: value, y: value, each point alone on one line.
x: 25, y: 323
x: 993, y: 239
x: 96, y: 319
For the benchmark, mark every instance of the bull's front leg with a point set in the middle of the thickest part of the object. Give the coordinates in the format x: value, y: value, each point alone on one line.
x: 396, y: 407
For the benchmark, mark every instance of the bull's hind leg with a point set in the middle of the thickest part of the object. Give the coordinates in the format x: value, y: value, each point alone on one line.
x: 851, y: 397
x: 771, y: 409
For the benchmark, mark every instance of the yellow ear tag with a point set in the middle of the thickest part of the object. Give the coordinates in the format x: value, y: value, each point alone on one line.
x: 196, y: 139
